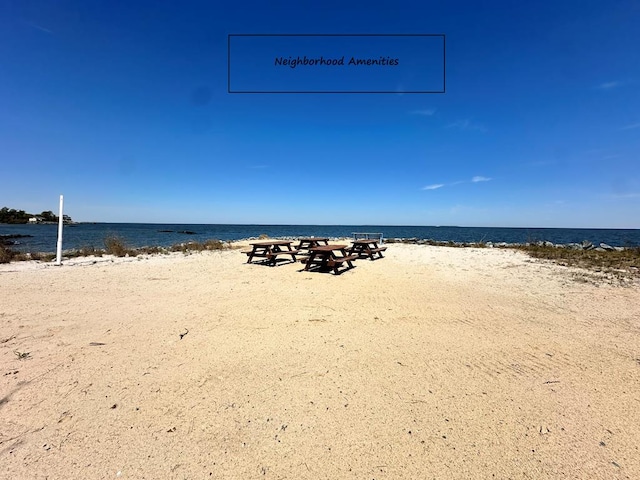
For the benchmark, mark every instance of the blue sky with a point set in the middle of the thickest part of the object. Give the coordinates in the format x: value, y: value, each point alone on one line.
x: 123, y: 107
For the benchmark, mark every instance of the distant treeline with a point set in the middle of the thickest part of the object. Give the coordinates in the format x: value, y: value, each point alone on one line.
x: 11, y: 215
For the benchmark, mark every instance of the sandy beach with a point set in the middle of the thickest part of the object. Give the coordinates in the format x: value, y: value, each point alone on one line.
x: 433, y: 362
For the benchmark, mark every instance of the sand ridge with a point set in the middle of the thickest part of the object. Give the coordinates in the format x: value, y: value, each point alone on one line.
x: 433, y: 362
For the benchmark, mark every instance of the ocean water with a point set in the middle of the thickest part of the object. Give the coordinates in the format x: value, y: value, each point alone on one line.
x: 43, y: 237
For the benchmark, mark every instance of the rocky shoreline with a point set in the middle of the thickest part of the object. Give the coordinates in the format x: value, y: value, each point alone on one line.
x: 13, y: 239
x: 6, y: 240
x: 585, y: 245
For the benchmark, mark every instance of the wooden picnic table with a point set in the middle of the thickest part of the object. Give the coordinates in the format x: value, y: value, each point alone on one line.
x: 270, y: 250
x: 307, y: 243
x: 366, y: 248
x: 329, y: 257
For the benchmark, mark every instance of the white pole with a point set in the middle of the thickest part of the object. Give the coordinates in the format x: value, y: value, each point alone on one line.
x: 59, y: 251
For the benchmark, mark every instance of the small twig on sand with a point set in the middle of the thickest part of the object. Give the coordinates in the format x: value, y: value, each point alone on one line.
x: 22, y: 355
x: 551, y: 381
x: 183, y: 334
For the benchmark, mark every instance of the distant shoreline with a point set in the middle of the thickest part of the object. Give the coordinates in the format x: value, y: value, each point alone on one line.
x: 308, y: 225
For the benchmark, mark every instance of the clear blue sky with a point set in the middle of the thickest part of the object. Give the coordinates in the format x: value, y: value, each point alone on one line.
x: 123, y: 108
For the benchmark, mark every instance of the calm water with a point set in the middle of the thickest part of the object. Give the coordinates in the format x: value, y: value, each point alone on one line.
x: 145, y: 234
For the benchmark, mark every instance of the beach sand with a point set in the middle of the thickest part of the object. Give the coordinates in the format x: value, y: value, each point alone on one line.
x: 433, y: 362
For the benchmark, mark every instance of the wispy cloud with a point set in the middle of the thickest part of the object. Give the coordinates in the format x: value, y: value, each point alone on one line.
x: 467, y: 125
x: 539, y: 163
x: 479, y: 178
x: 603, y: 153
x: 475, y: 179
x: 38, y: 27
x: 609, y: 85
x: 258, y: 166
x: 626, y: 195
x: 632, y: 126
x: 427, y: 112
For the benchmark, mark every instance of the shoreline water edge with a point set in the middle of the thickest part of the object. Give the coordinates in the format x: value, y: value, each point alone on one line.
x: 14, y: 241
x: 42, y: 238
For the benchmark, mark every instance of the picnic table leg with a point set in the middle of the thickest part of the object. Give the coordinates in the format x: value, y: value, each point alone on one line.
x: 348, y: 261
x: 293, y: 255
x: 310, y: 260
x: 272, y: 258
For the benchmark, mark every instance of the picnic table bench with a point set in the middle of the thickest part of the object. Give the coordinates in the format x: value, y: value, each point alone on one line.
x: 324, y: 257
x: 271, y: 250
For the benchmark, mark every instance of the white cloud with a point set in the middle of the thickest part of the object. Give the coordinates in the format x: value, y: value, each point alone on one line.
x: 478, y: 178
x: 427, y: 113
x: 462, y: 124
x: 475, y: 179
x: 632, y: 126
x: 38, y: 27
x: 626, y: 195
x: 609, y: 85
x: 435, y: 186
x: 539, y: 163
x: 467, y: 125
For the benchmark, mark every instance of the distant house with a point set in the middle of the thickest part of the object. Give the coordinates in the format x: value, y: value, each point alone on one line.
x: 36, y: 219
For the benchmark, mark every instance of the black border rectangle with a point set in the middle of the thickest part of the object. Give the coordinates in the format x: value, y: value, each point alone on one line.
x: 444, y: 59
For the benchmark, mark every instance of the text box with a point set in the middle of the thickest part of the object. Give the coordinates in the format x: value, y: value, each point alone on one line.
x: 336, y: 63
